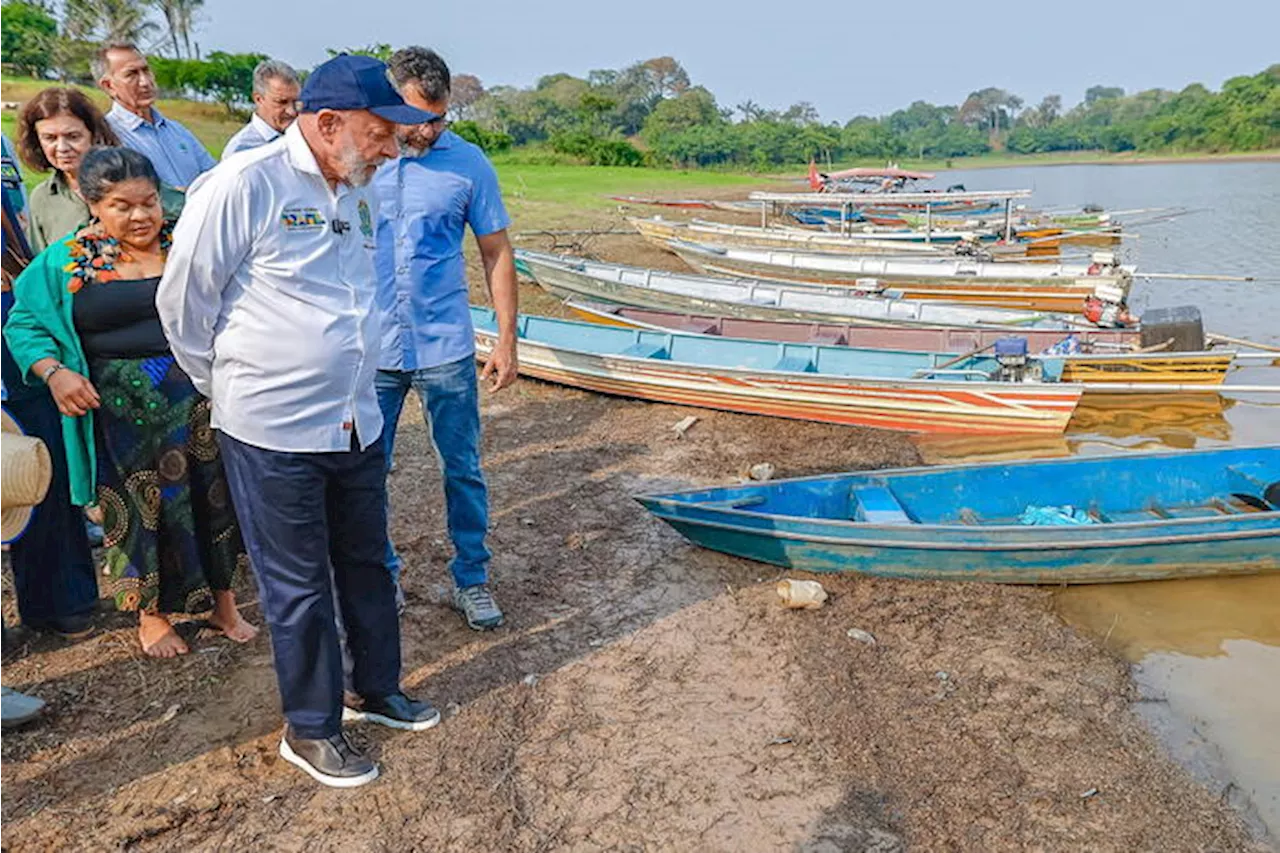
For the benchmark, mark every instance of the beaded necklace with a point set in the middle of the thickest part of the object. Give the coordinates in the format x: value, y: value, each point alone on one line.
x: 95, y: 255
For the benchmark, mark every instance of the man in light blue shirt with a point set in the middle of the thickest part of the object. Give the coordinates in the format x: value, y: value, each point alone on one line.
x: 123, y: 73
x: 441, y: 185
x: 275, y: 106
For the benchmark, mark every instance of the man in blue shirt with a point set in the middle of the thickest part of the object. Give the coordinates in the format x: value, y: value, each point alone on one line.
x: 123, y: 73
x: 440, y: 185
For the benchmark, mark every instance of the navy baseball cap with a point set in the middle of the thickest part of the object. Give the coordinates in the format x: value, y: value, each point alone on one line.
x: 349, y: 82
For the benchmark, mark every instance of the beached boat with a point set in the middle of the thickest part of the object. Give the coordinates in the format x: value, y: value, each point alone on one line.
x: 1093, y: 356
x: 1054, y: 287
x: 1118, y: 518
x: 824, y: 267
x: 915, y: 392
x: 660, y: 232
x: 577, y: 278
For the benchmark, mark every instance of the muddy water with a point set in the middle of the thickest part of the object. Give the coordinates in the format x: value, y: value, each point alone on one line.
x: 1206, y: 653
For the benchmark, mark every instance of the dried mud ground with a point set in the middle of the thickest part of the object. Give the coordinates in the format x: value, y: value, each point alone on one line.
x: 644, y: 694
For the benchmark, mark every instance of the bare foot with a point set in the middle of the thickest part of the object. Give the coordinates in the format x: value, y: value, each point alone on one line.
x: 227, y: 619
x: 158, y: 638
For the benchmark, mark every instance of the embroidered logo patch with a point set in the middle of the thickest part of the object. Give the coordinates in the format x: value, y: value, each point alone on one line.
x: 366, y: 218
x: 9, y: 172
x: 302, y: 219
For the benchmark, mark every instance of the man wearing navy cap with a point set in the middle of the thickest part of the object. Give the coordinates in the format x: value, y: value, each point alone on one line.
x: 268, y: 304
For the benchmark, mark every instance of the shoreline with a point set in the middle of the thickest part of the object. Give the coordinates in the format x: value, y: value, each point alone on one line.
x: 1137, y: 160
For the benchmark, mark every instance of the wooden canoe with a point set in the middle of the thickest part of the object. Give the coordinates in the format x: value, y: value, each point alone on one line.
x: 1059, y: 288
x: 578, y: 278
x: 915, y: 392
x: 660, y: 232
x: 1148, y: 516
x: 1103, y: 356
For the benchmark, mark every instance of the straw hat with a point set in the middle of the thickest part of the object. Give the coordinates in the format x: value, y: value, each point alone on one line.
x: 24, y: 477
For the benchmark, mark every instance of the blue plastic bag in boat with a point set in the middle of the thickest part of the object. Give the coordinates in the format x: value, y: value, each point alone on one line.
x: 1055, y: 515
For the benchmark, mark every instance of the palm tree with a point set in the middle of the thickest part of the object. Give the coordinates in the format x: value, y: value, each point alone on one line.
x: 179, y: 19
x: 109, y: 20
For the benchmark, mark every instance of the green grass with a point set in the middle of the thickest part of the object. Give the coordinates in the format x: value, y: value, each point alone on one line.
x: 209, y: 122
x: 590, y: 186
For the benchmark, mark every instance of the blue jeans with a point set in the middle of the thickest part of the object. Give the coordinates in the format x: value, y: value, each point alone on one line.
x: 315, y: 526
x: 450, y: 398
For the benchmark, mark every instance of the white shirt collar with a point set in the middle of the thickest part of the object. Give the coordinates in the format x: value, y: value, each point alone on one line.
x: 265, y: 130
x: 300, y: 154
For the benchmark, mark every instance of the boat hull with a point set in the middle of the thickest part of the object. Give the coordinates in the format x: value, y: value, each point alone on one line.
x: 660, y: 232
x: 1066, y: 299
x: 925, y: 274
x: 1096, y: 365
x: 1151, y: 516
x: 969, y: 408
x: 1043, y: 561
x: 760, y: 300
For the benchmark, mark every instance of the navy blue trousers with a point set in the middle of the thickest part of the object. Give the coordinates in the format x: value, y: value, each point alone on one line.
x: 315, y: 524
x: 53, y: 575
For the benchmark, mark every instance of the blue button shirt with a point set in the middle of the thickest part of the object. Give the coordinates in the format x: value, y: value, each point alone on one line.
x: 175, y: 152
x: 424, y: 206
x: 15, y: 191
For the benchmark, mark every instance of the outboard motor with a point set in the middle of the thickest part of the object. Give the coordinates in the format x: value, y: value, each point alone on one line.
x: 1011, y: 355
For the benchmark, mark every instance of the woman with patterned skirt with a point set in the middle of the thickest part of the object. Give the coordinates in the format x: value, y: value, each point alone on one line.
x: 137, y: 433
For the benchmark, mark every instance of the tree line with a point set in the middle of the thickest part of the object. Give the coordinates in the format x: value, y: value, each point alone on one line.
x: 651, y: 113
x: 653, y: 109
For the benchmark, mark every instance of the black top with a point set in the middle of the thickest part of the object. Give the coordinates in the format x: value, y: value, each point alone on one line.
x: 118, y: 319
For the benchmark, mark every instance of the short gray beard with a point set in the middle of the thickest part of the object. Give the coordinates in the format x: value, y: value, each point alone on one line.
x: 358, y: 173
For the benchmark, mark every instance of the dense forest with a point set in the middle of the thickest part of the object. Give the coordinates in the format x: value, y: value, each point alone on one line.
x: 652, y: 113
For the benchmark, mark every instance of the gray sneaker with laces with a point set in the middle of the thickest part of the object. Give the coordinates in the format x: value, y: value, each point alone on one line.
x: 19, y: 708
x: 477, y: 606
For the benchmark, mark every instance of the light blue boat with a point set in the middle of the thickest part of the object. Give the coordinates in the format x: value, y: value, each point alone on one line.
x: 1119, y: 518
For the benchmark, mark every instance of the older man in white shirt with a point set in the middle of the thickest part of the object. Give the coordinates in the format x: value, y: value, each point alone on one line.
x: 268, y: 303
x: 275, y: 106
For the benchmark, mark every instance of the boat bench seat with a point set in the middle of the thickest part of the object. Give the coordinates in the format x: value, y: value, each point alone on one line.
x: 1252, y: 477
x: 795, y: 364
x: 877, y: 505
x: 644, y: 350
x: 697, y: 327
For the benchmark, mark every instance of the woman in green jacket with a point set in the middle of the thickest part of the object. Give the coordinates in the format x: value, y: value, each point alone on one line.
x: 136, y: 431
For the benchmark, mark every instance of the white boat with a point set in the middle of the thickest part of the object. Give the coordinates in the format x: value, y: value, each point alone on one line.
x: 828, y: 266
x: 569, y: 277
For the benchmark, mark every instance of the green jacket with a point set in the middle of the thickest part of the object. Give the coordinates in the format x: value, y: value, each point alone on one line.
x: 41, y: 326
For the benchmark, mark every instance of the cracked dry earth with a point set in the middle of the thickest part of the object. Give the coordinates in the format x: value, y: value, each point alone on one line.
x: 644, y: 695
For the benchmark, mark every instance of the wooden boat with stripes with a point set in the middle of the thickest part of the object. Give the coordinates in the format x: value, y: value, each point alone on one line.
x: 1133, y: 516
x: 1092, y: 356
x: 826, y: 268
x: 660, y: 232
x: 1029, y: 286
x: 915, y: 392
x: 578, y: 278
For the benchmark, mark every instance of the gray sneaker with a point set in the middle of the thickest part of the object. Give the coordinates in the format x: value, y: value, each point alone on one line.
x: 477, y: 606
x: 19, y: 708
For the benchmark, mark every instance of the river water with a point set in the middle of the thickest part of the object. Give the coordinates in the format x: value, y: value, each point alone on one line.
x: 1206, y: 653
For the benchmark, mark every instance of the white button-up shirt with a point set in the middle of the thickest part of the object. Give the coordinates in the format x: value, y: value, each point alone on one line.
x: 256, y: 132
x: 267, y: 301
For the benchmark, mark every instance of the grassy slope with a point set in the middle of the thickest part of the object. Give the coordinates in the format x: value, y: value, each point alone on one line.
x: 209, y: 122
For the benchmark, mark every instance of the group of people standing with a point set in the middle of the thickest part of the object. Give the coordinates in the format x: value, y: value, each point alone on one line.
x: 217, y: 355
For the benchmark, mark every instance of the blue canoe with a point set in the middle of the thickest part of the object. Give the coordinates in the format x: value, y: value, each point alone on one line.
x: 1137, y: 517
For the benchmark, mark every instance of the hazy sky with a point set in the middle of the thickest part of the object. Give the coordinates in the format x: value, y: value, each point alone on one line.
x: 847, y: 58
